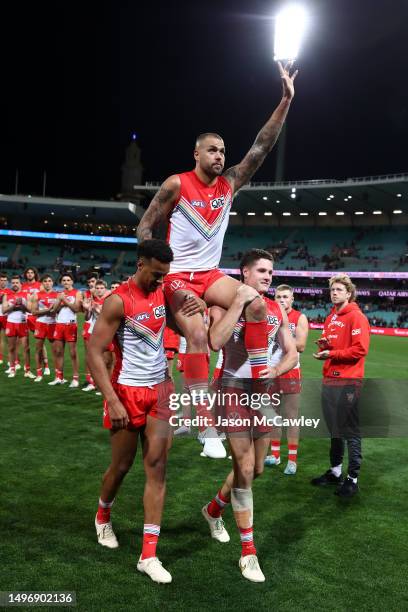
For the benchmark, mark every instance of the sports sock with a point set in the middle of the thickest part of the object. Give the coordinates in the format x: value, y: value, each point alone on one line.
x: 217, y: 505
x: 275, y: 448
x: 256, y: 344
x: 336, y: 470
x: 45, y: 362
x: 26, y: 368
x: 292, y: 452
x: 59, y: 374
x: 104, y: 510
x: 196, y: 379
x: 39, y: 372
x: 150, y: 538
x: 242, y: 505
x: 75, y: 377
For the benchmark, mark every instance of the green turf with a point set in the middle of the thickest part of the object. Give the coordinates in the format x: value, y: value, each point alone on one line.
x: 317, y: 552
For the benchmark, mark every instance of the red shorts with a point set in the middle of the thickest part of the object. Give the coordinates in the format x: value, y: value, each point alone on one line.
x: 31, y: 321
x: 140, y: 402
x: 44, y: 331
x: 3, y: 321
x: 66, y: 331
x: 85, y: 331
x: 171, y: 340
x: 16, y: 330
x: 197, y: 282
x: 291, y: 382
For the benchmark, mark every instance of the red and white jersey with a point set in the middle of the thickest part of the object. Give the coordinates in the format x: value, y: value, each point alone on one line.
x: 66, y: 315
x: 236, y: 361
x: 4, y: 292
x: 138, y: 342
x: 46, y: 299
x: 94, y: 315
x: 293, y: 318
x: 198, y: 223
x: 17, y: 316
x: 34, y: 287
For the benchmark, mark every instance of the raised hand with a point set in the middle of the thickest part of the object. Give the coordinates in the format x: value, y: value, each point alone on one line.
x: 287, y: 79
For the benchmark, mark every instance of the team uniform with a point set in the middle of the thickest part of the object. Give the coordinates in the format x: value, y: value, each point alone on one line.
x: 196, y: 231
x: 235, y: 374
x: 92, y: 320
x: 29, y: 289
x: 291, y: 382
x: 140, y: 375
x: 87, y: 323
x: 45, y: 324
x: 3, y: 318
x: 16, y: 325
x: 66, y: 328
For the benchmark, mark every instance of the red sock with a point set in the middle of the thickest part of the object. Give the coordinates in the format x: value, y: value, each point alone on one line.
x: 196, y: 379
x: 292, y: 452
x: 45, y: 362
x: 104, y: 510
x: 217, y: 505
x: 88, y: 378
x: 256, y: 344
x: 275, y: 448
x: 26, y: 368
x: 75, y: 377
x: 247, y: 541
x: 58, y: 374
x: 150, y: 538
x: 39, y: 371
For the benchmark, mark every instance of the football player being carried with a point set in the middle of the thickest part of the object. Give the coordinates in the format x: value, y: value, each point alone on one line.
x: 196, y: 205
x: 247, y: 433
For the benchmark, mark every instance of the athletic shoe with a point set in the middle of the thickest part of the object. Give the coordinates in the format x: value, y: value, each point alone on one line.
x: 29, y: 374
x: 89, y: 387
x: 98, y: 393
x: 183, y: 430
x: 1, y: 362
x: 8, y: 371
x: 272, y: 460
x: 105, y: 534
x: 217, y: 528
x: 57, y: 381
x: 38, y: 379
x: 154, y: 568
x: 12, y: 374
x: 214, y: 448
x: 74, y: 384
x: 18, y: 366
x: 328, y: 478
x: 249, y: 566
x: 347, y: 489
x: 47, y: 371
x: 290, y: 469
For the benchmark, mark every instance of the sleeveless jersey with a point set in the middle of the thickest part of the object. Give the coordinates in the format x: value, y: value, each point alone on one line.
x: 17, y: 316
x: 46, y: 299
x: 293, y: 318
x: 34, y: 287
x: 198, y: 223
x: 66, y: 315
x: 4, y: 292
x: 92, y: 319
x: 236, y: 362
x: 138, y: 342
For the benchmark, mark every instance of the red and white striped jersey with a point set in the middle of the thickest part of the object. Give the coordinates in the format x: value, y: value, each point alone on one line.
x: 138, y: 342
x: 198, y: 223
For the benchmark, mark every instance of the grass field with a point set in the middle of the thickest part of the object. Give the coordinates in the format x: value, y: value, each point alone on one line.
x: 318, y: 552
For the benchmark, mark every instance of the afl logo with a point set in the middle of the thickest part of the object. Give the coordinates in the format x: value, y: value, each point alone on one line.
x: 143, y: 316
x: 159, y: 312
x: 197, y: 203
x: 217, y: 203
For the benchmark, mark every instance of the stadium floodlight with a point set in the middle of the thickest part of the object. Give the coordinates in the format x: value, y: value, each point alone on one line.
x: 322, y: 214
x: 293, y: 196
x: 399, y: 195
x: 265, y: 198
x: 290, y: 27
x: 304, y: 214
x: 377, y: 212
x: 340, y: 213
x: 278, y: 201
x: 268, y: 214
x: 286, y: 214
x: 233, y: 213
x: 397, y: 212
x: 251, y: 214
x: 359, y: 212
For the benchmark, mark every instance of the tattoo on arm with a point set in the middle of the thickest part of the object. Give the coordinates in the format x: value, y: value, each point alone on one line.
x: 158, y: 211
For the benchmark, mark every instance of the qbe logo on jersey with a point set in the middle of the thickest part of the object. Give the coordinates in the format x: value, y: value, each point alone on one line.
x: 159, y: 312
x: 217, y: 203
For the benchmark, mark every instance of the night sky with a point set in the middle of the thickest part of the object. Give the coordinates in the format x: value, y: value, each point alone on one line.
x: 79, y: 78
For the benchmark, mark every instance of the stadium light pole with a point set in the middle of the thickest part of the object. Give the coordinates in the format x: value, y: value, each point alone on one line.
x: 290, y: 26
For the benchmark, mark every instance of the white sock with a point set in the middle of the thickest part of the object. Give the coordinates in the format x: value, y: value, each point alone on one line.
x: 336, y: 470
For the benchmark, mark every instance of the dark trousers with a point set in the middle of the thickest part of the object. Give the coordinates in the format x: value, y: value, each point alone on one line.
x: 340, y: 411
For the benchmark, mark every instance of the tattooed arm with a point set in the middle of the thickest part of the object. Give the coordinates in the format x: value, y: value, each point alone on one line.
x: 159, y: 208
x: 242, y: 173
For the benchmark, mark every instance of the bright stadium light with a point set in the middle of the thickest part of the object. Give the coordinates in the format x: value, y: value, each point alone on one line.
x: 290, y: 26
x: 233, y: 213
x: 340, y: 213
x: 268, y: 214
x: 322, y: 214
x: 304, y: 214
x: 286, y: 214
x: 251, y: 214
x: 397, y: 212
x: 265, y: 198
x: 377, y: 212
